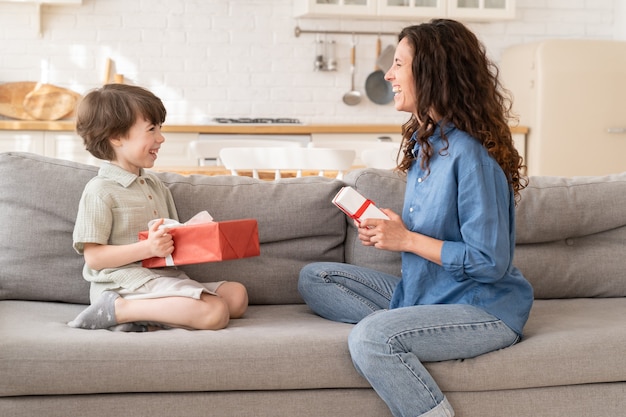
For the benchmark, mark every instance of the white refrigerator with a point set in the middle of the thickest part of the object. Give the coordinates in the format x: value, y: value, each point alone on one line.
x: 571, y: 94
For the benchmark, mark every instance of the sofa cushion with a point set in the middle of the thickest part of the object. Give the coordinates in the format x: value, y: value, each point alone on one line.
x: 39, y: 199
x: 287, y: 347
x: 571, y: 232
x: 271, y: 348
x: 386, y: 189
x: 298, y: 224
x: 571, y: 235
x: 556, y: 208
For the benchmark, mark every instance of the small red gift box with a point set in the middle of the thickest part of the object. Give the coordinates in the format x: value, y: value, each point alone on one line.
x: 209, y: 242
x: 357, y: 207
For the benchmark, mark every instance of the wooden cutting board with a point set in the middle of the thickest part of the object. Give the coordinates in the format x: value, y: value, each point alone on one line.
x: 29, y: 100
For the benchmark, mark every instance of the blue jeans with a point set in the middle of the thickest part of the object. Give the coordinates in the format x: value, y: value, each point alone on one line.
x: 389, y: 346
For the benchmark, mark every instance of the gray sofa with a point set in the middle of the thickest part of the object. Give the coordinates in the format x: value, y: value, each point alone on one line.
x: 281, y: 359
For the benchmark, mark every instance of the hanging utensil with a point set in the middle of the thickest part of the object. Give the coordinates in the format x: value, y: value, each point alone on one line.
x: 385, y: 59
x: 107, y: 71
x: 377, y: 88
x: 352, y: 97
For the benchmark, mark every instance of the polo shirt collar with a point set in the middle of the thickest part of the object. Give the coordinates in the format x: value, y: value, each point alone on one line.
x: 120, y: 175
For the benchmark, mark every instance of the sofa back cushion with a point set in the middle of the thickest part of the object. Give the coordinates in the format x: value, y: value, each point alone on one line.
x: 39, y: 199
x: 571, y: 236
x: 386, y: 189
x: 571, y: 232
x: 298, y: 224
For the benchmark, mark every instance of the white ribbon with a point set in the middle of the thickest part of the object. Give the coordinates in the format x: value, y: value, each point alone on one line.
x: 201, y: 217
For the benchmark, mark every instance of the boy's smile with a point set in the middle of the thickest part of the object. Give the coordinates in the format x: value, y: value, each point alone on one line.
x: 140, y: 148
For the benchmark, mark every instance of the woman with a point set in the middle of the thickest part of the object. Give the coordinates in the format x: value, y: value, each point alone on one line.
x: 459, y: 295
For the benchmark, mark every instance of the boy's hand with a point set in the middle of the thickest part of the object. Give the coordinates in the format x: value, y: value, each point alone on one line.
x: 160, y: 241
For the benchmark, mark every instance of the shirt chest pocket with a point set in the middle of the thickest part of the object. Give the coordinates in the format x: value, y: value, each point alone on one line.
x: 127, y: 222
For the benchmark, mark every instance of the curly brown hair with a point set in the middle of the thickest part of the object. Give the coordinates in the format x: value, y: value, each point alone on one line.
x: 110, y: 111
x: 456, y: 80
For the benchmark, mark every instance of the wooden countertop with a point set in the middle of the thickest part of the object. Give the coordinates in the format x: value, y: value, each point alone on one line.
x: 303, y: 129
x: 263, y: 174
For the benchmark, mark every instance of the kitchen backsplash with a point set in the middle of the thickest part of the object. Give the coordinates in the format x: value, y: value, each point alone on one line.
x: 241, y: 58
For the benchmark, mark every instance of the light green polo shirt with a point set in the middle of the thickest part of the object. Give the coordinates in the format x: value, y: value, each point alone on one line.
x: 115, y: 206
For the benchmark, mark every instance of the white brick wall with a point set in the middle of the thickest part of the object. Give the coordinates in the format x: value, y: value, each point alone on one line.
x: 240, y: 57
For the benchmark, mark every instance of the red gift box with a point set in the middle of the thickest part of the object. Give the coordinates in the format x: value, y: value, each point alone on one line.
x: 357, y: 207
x: 209, y: 242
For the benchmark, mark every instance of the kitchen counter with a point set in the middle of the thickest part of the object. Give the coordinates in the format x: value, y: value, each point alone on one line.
x: 263, y: 174
x: 276, y: 129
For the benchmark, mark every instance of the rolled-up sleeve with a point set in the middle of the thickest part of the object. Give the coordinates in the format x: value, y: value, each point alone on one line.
x: 483, y: 251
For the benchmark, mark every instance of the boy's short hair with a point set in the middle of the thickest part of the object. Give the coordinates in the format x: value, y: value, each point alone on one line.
x: 110, y: 111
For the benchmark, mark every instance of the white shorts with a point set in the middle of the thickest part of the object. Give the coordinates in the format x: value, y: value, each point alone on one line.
x: 170, y: 287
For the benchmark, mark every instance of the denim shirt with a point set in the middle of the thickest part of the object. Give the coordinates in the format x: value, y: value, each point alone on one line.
x: 465, y: 201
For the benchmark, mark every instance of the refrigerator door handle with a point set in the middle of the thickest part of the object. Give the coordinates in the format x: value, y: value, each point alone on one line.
x: 616, y: 130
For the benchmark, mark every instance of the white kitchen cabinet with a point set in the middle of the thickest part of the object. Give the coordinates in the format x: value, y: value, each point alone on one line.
x: 411, y: 9
x: 465, y: 10
x: 174, y: 151
x: 22, y: 141
x: 63, y: 145
x: 50, y: 2
x: 336, y: 8
x: 68, y: 146
x: 481, y: 10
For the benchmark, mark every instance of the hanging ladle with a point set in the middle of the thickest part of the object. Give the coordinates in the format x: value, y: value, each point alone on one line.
x: 352, y: 97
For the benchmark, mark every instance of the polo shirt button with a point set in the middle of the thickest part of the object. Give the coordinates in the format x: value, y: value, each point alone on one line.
x: 419, y: 180
x: 411, y: 209
x: 142, y: 182
x: 150, y: 197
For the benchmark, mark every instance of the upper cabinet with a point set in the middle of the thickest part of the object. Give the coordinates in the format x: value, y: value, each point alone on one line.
x: 336, y: 8
x: 481, y: 9
x: 467, y: 10
x: 411, y: 9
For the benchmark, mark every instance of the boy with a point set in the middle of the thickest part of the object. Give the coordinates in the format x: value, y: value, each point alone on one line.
x: 122, y: 124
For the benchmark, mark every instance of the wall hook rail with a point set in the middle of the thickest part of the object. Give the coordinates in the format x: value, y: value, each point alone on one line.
x: 298, y: 31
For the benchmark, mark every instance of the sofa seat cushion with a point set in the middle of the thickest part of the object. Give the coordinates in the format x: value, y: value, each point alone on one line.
x: 566, y: 342
x: 286, y: 347
x: 271, y: 348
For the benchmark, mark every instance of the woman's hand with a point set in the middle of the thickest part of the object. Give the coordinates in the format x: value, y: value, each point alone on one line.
x: 389, y: 234
x: 393, y: 235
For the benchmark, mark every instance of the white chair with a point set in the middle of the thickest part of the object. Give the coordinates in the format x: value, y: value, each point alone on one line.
x: 381, y: 157
x: 208, y: 150
x: 372, y: 154
x: 292, y: 158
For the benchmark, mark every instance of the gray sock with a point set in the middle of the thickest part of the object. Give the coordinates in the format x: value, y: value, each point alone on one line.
x: 99, y: 315
x: 129, y: 327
